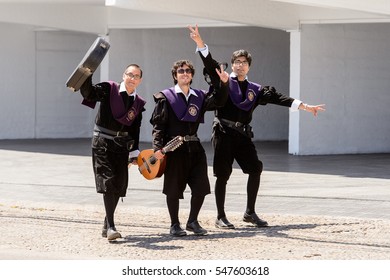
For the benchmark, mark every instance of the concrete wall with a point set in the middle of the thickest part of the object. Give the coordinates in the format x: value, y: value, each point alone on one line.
x: 17, y: 82
x: 346, y: 66
x: 58, y: 110
x: 37, y: 64
x: 34, y: 100
x: 156, y: 50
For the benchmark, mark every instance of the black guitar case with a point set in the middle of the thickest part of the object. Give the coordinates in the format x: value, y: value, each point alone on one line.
x: 88, y: 64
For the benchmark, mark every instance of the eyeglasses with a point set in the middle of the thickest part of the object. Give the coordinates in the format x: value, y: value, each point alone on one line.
x: 132, y: 76
x: 182, y: 71
x: 239, y: 62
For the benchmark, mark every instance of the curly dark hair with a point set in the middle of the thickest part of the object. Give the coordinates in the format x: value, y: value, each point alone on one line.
x: 181, y: 63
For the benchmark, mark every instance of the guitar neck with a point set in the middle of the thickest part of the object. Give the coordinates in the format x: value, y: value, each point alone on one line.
x: 173, y: 144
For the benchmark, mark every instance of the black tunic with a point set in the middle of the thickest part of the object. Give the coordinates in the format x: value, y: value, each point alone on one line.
x: 188, y: 163
x: 110, y: 160
x: 230, y: 144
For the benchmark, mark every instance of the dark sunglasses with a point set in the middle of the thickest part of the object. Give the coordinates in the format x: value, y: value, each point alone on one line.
x: 182, y: 71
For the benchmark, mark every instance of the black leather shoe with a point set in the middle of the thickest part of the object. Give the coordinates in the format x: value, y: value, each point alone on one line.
x: 223, y: 223
x: 196, y: 228
x: 112, y: 234
x: 254, y: 219
x: 177, y: 231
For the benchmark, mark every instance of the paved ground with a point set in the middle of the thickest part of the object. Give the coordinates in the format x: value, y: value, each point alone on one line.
x: 319, y: 207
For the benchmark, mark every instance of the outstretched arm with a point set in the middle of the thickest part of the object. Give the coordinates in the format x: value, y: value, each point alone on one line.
x: 270, y: 95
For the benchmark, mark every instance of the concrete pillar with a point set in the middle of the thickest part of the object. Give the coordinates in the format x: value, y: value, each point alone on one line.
x: 295, y: 86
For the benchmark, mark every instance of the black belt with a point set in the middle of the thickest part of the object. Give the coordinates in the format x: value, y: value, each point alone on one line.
x: 121, y: 138
x: 188, y: 138
x: 101, y: 134
x: 108, y: 133
x: 230, y: 123
x: 244, y: 129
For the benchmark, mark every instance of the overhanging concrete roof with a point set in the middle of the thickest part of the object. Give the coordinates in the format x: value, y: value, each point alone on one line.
x: 98, y: 16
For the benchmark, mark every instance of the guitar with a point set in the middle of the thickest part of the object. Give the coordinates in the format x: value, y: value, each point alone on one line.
x: 149, y: 166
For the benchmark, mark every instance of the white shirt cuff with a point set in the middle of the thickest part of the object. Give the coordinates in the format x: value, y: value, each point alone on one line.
x: 204, y: 51
x: 295, y: 105
x: 134, y: 154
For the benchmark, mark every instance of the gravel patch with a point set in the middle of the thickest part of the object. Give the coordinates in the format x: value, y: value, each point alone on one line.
x: 66, y: 231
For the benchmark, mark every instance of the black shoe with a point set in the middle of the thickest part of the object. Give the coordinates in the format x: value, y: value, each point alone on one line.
x: 196, y: 228
x: 254, y: 219
x: 223, y: 223
x: 177, y: 231
x: 112, y: 234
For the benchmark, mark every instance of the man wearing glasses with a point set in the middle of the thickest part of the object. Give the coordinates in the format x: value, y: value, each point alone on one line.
x: 115, y: 137
x: 178, y: 111
x: 232, y: 133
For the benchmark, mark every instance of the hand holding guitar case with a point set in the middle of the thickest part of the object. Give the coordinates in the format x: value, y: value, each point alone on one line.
x: 88, y: 64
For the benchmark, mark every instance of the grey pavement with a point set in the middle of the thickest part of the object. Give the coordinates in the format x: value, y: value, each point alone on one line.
x: 60, y: 171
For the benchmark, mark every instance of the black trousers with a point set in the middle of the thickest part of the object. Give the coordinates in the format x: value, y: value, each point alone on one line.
x: 110, y: 166
x: 184, y: 168
x: 228, y: 148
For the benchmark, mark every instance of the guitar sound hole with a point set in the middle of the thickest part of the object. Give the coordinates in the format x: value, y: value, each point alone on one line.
x: 152, y: 160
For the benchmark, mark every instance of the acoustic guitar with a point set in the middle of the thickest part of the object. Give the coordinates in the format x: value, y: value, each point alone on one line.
x: 149, y: 166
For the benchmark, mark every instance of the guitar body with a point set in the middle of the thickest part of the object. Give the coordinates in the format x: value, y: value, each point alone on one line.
x: 149, y: 166
x: 88, y: 64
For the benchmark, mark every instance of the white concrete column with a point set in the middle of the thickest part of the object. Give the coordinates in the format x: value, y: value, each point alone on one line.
x: 295, y: 85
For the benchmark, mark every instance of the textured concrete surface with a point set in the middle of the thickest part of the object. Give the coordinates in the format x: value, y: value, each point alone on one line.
x: 318, y: 207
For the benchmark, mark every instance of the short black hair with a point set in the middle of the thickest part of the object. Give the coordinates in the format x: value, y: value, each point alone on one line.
x: 244, y: 53
x: 134, y: 65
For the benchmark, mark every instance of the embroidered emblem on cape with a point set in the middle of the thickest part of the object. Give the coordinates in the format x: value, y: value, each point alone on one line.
x: 131, y: 115
x: 193, y: 110
x: 251, y: 95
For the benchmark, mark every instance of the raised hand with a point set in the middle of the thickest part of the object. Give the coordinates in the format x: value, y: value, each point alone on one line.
x: 223, y: 75
x: 195, y: 35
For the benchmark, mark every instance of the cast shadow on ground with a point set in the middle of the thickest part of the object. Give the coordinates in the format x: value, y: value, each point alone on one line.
x: 156, y: 241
